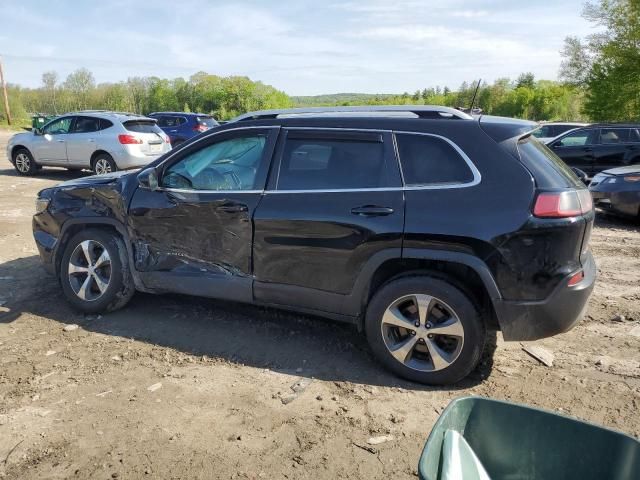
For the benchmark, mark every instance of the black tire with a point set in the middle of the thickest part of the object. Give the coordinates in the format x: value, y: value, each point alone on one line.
x: 24, y: 163
x: 468, y: 352
x: 120, y: 286
x: 103, y: 163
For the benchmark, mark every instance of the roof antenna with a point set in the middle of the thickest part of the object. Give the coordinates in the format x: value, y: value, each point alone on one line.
x: 473, y: 100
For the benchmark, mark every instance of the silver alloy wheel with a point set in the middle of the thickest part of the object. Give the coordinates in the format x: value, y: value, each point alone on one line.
x: 102, y: 166
x: 422, y: 332
x: 23, y: 162
x: 89, y: 270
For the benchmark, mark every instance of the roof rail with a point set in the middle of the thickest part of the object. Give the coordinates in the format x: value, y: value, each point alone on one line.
x: 421, y: 111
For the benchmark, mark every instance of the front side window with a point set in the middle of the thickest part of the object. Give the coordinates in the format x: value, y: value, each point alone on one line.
x: 429, y: 160
x: 227, y: 165
x: 332, y: 163
x: 578, y: 139
x: 86, y: 125
x: 58, y: 127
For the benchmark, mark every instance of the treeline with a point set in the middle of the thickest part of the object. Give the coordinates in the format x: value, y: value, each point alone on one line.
x: 224, y: 97
x: 521, y: 98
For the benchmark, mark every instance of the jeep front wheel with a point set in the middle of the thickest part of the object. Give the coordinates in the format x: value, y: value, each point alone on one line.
x: 425, y: 329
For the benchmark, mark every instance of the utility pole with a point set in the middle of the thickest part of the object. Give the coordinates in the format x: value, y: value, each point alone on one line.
x: 6, y: 97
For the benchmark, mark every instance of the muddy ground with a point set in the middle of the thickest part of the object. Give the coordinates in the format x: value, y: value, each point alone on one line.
x: 180, y: 387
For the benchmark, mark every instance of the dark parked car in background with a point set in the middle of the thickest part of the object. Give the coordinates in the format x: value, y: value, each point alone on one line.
x: 423, y: 226
x: 618, y: 191
x: 550, y: 130
x: 595, y: 148
x: 181, y: 126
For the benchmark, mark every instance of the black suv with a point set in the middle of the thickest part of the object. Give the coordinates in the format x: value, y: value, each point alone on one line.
x: 423, y: 226
x: 595, y: 148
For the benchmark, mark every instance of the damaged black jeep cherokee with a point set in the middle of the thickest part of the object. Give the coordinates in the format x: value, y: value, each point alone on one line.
x: 423, y: 226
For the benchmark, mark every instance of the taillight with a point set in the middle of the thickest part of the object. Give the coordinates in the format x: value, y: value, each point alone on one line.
x: 576, y: 278
x: 126, y: 139
x: 570, y: 203
x: 200, y: 127
x: 632, y: 178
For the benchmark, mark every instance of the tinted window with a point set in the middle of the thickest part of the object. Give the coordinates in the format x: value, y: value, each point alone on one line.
x: 59, y: 126
x: 614, y: 135
x: 547, y: 168
x: 543, y: 132
x: 208, y: 121
x: 332, y: 163
x: 428, y: 160
x: 579, y: 138
x: 104, y: 124
x: 634, y: 135
x: 142, y: 126
x: 86, y: 125
x: 227, y: 165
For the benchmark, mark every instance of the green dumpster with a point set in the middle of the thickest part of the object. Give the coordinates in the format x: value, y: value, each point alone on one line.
x: 516, y: 442
x: 39, y: 120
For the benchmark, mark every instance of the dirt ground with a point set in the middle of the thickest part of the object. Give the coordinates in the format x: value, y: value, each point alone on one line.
x: 180, y: 387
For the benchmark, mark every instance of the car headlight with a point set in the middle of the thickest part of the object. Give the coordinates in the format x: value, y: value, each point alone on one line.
x: 42, y: 204
x: 634, y: 177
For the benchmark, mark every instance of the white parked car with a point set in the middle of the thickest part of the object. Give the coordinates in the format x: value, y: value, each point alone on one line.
x: 550, y: 130
x: 97, y: 140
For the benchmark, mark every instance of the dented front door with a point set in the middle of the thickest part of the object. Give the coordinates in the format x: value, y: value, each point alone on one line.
x: 194, y: 233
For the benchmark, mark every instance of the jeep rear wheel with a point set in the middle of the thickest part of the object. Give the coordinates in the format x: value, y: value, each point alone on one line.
x: 425, y: 329
x: 94, y: 272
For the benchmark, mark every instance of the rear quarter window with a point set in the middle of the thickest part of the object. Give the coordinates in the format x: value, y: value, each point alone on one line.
x: 430, y: 160
x: 142, y: 126
x: 546, y: 167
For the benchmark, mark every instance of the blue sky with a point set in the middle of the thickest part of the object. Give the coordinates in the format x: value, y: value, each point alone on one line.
x: 303, y: 47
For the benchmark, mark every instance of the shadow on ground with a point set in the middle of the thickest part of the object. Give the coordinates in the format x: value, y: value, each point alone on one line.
x: 251, y: 335
x: 60, y: 174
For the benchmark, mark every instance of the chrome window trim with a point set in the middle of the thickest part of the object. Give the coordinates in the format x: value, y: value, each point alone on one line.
x: 477, y: 176
x: 187, y: 190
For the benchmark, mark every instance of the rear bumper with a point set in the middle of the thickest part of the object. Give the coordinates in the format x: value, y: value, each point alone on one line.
x: 558, y: 313
x: 620, y: 202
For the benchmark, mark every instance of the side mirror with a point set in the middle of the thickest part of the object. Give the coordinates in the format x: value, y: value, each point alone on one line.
x: 37, y: 131
x: 557, y: 144
x: 148, y: 179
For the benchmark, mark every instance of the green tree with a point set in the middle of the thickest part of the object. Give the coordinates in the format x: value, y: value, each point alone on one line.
x: 611, y: 60
x: 80, y: 84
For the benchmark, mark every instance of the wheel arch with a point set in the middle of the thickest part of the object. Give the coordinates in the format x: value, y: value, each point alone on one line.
x: 73, y: 226
x: 96, y: 154
x: 466, y: 271
x: 15, y: 148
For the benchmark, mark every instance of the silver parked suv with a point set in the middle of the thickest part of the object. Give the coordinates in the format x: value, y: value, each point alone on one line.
x: 98, y: 140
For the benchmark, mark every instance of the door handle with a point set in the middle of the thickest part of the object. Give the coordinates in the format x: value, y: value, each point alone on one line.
x: 372, y: 211
x: 91, y: 140
x: 233, y: 208
x: 60, y: 141
x: 588, y: 149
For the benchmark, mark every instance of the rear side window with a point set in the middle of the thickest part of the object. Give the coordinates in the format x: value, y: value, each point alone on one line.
x: 610, y: 136
x: 429, y: 160
x: 332, y: 163
x: 142, y: 126
x: 86, y: 125
x: 634, y: 135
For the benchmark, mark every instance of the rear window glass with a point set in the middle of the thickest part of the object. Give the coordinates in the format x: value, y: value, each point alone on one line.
x: 428, y: 160
x: 208, y: 121
x: 104, y: 123
x: 546, y: 167
x: 86, y: 125
x: 142, y: 126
